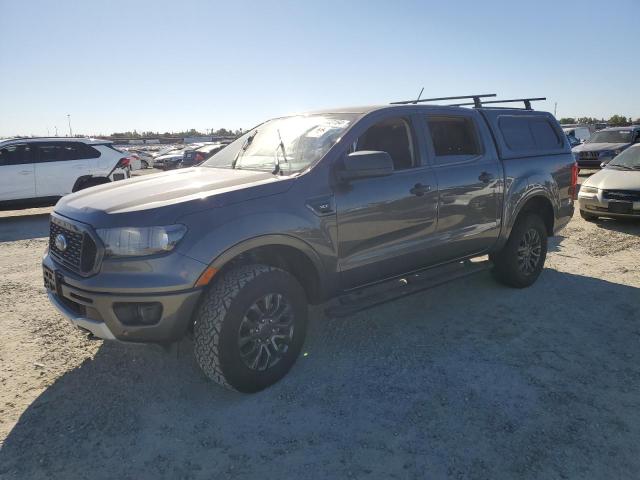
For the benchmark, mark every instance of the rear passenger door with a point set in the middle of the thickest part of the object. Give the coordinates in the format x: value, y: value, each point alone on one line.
x: 58, y: 166
x: 17, y: 178
x: 469, y: 177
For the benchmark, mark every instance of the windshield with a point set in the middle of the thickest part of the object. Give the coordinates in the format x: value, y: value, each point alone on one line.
x: 630, y: 158
x: 285, y: 145
x: 612, y: 136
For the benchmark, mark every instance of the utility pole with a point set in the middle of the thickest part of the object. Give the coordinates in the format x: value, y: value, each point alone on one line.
x: 555, y: 109
x: 70, y: 131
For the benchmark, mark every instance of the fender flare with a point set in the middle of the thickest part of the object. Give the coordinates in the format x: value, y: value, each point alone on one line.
x: 274, y: 240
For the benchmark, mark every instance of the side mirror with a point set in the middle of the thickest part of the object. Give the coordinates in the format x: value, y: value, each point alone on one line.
x: 366, y: 164
x: 604, y: 164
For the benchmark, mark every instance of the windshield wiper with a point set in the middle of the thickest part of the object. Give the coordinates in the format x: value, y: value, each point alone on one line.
x: 277, y: 169
x: 244, y: 147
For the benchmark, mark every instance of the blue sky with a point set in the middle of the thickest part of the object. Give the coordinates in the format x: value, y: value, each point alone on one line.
x: 158, y: 65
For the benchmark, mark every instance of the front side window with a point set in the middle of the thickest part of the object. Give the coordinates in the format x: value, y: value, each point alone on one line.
x: 392, y: 136
x: 284, y: 145
x: 15, y: 155
x: 453, y: 136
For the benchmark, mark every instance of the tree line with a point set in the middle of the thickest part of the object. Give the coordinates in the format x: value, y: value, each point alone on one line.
x: 614, y: 121
x: 221, y: 132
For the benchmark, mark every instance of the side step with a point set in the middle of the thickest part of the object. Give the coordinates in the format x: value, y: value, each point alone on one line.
x: 368, y: 297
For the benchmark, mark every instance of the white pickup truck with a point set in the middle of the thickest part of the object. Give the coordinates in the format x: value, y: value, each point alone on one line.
x: 42, y: 169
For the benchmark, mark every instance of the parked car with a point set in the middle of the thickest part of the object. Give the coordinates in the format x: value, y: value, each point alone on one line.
x: 580, y: 133
x: 614, y: 191
x: 605, y: 144
x: 169, y: 160
x: 40, y: 169
x: 192, y: 157
x: 145, y: 159
x: 299, y: 210
x: 573, y: 141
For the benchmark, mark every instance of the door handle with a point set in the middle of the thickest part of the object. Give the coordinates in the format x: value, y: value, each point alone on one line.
x: 485, y: 177
x: 419, y: 189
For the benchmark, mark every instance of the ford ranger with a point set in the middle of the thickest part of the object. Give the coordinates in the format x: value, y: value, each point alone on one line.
x: 301, y: 209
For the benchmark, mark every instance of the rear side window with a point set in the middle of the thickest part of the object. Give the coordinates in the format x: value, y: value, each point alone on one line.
x: 65, y: 151
x: 454, y: 136
x: 15, y: 155
x: 523, y: 134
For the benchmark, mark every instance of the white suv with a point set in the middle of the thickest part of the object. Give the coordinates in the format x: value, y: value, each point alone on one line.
x: 48, y: 168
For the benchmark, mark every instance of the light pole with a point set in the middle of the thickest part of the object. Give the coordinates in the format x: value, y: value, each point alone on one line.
x: 56, y: 130
x: 70, y: 131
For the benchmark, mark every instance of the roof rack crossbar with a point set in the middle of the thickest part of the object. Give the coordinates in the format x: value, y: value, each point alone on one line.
x: 476, y: 99
x: 527, y: 102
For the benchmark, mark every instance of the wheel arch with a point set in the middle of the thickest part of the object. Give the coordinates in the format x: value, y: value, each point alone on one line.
x: 541, y: 204
x: 282, y: 251
x: 82, y: 181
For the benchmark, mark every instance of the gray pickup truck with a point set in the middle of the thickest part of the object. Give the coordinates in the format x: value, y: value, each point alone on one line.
x: 302, y: 209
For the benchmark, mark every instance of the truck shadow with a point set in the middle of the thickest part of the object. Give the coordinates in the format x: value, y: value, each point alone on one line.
x: 630, y: 226
x: 499, y: 380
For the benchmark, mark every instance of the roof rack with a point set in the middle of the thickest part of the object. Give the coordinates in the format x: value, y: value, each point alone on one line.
x: 476, y: 99
x: 527, y: 102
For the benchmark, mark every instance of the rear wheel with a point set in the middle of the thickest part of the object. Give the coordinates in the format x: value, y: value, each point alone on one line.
x: 521, y: 261
x: 588, y: 216
x: 250, y: 327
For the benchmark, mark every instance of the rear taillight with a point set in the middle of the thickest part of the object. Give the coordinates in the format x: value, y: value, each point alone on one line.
x: 124, y: 162
x: 574, y: 180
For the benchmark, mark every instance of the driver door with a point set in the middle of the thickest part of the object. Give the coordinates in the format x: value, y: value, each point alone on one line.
x: 384, y: 222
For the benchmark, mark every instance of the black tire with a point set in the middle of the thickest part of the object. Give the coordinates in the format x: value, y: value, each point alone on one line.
x: 223, y: 315
x: 517, y: 264
x: 588, y: 216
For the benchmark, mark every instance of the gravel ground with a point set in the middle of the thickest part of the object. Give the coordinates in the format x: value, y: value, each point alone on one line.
x: 468, y: 380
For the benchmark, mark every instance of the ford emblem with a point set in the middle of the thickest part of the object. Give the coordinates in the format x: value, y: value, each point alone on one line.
x: 61, y: 242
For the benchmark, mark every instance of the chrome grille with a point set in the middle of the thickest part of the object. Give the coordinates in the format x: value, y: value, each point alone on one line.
x: 589, y: 155
x: 623, y: 195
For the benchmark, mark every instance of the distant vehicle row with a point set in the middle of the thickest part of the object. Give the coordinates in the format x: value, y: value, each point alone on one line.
x: 604, y: 145
x: 48, y: 168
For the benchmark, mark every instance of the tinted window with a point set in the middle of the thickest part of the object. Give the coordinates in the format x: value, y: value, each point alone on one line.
x: 15, y: 155
x: 392, y: 136
x: 454, y: 136
x: 528, y: 133
x: 65, y: 151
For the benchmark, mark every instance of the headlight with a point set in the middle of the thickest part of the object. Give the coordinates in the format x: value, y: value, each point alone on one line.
x: 135, y: 242
x: 588, y: 189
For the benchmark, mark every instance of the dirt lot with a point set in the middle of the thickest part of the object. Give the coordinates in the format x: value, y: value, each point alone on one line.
x: 469, y: 380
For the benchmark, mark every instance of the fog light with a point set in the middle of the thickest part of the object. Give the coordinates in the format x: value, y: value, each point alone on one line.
x: 138, y: 313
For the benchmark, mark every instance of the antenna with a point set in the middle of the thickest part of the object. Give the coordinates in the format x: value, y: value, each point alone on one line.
x: 419, y: 95
x: 476, y: 99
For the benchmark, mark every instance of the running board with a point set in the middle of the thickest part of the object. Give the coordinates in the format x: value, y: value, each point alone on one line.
x: 368, y: 297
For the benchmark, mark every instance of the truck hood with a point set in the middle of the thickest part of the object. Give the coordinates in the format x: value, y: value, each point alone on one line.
x: 611, y: 179
x: 169, y: 194
x: 597, y: 147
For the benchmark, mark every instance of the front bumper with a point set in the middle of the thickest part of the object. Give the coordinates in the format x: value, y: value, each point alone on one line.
x: 94, y: 311
x: 595, y: 204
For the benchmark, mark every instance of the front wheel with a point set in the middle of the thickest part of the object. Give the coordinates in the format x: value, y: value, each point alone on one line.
x: 250, y: 327
x: 521, y: 261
